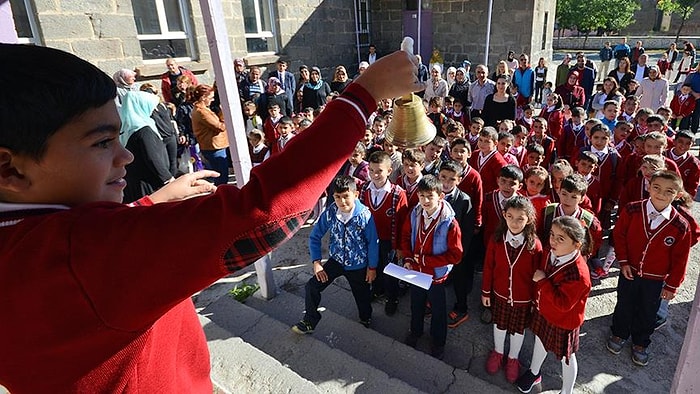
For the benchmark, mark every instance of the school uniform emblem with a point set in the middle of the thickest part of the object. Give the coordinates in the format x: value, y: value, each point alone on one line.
x: 668, y: 241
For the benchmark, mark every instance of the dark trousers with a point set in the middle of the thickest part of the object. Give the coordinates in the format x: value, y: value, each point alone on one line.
x: 438, y: 320
x: 539, y: 85
x: 462, y: 276
x: 171, y: 147
x: 358, y: 285
x: 695, y: 121
x: 385, y: 284
x: 635, y: 311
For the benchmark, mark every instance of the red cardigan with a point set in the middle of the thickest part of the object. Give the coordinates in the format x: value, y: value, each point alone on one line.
x: 561, y: 296
x: 690, y: 172
x: 389, y: 214
x: 96, y: 300
x: 489, y: 170
x: 491, y: 216
x: 660, y: 254
x: 511, y: 281
x: 471, y: 184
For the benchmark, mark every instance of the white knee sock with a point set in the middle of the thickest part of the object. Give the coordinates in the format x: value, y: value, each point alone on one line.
x: 538, y: 355
x: 516, y: 342
x: 569, y: 372
x: 499, y: 339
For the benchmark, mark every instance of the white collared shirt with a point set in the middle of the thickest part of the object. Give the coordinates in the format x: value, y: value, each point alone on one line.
x: 378, y: 193
x: 483, y: 159
x: 428, y: 219
x: 677, y: 158
x: 515, y: 240
x: 343, y: 216
x: 557, y: 261
x: 600, y: 153
x: 656, y: 217
x: 502, y: 199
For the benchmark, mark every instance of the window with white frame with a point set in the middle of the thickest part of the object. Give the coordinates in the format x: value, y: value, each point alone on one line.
x: 258, y: 20
x: 163, y: 28
x: 362, y: 20
x: 25, y: 22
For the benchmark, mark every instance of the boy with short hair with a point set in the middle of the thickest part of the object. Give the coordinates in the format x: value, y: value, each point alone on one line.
x: 396, y: 160
x: 682, y: 107
x: 688, y: 165
x: 622, y: 131
x: 652, y: 244
x: 433, y: 152
x: 285, y: 126
x: 637, y: 188
x: 389, y: 206
x: 488, y: 162
x: 629, y: 109
x: 510, y: 181
x: 378, y: 128
x: 271, y: 125
x: 586, y: 165
x: 573, y: 137
x: 606, y: 171
x: 475, y: 128
x: 353, y: 253
x: 103, y: 315
x: 460, y: 152
x: 611, y: 109
x: 654, y: 144
x: 431, y: 243
x: 435, y: 114
x: 413, y: 162
x: 462, y: 275
x: 534, y: 156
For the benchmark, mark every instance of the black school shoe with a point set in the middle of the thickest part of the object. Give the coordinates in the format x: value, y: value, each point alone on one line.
x: 366, y: 323
x: 303, y: 327
x: 528, y: 380
x: 390, y: 307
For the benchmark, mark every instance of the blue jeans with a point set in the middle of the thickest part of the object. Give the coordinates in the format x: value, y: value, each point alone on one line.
x: 217, y: 160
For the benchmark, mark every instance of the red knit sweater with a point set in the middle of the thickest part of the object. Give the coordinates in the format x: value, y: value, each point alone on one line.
x: 471, y: 184
x: 561, y: 296
x: 488, y: 170
x: 389, y: 214
x: 510, y: 280
x: 690, y: 172
x: 95, y: 300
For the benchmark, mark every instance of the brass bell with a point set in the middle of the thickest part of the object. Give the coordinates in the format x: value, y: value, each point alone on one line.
x: 410, y: 126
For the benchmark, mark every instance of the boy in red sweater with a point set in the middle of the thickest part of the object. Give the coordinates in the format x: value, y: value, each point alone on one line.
x: 652, y: 244
x: 413, y: 162
x: 585, y: 166
x: 682, y: 107
x: 431, y: 243
x: 389, y: 206
x: 488, y: 162
x: 88, y: 311
x: 688, y: 165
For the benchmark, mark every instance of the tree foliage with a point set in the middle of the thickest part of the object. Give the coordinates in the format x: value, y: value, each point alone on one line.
x: 596, y: 15
x: 683, y: 8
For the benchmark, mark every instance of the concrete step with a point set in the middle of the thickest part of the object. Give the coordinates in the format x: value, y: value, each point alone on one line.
x: 239, y: 367
x: 341, y: 330
x: 326, y: 368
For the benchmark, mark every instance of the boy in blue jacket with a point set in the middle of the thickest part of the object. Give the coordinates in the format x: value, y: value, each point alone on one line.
x: 354, y: 253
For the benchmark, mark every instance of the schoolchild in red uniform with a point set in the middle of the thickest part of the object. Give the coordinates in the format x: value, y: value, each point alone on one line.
x: 519, y: 140
x: 511, y: 259
x: 682, y: 107
x: 560, y: 170
x: 553, y: 113
x: 573, y: 136
x: 637, y: 188
x: 539, y: 136
x: 536, y: 182
x: 460, y: 152
x: 688, y: 165
x: 654, y: 144
x: 606, y: 171
x: 652, y: 244
x: 285, y: 126
x: 431, y: 243
x: 413, y: 162
x: 620, y: 134
x: 534, y: 156
x: 103, y: 315
x: 487, y: 161
x: 510, y: 181
x: 562, y: 287
x: 475, y: 128
x: 585, y: 166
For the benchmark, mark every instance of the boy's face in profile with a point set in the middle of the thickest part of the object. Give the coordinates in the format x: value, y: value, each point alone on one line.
x: 84, y: 162
x: 345, y: 200
x: 585, y: 167
x: 460, y: 154
x: 449, y: 180
x: 379, y: 173
x: 508, y: 186
x: 534, y: 159
x: 662, y: 192
x: 429, y: 200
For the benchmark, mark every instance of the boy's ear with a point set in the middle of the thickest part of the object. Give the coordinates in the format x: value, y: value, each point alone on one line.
x: 11, y: 178
x: 357, y: 193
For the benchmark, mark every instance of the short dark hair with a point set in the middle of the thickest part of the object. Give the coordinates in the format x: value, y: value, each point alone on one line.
x: 685, y: 134
x: 668, y: 175
x: 413, y: 155
x: 575, y: 183
x: 589, y: 156
x: 656, y: 118
x: 461, y: 141
x: 578, y: 111
x: 505, y: 134
x: 511, y: 172
x: 429, y: 183
x: 439, y: 141
x: 534, y: 148
x: 451, y: 166
x: 490, y: 133
x: 343, y: 183
x: 380, y: 157
x: 286, y: 120
x: 44, y: 89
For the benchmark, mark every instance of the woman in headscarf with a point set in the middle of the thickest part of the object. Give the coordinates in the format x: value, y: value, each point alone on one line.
x: 316, y: 91
x: 210, y: 132
x: 274, y: 94
x: 450, y: 77
x: 653, y: 90
x: 572, y: 95
x: 436, y: 86
x: 150, y: 169
x: 340, y: 80
x: 460, y: 89
x: 125, y: 80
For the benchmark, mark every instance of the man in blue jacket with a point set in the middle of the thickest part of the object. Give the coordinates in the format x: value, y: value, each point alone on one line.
x: 524, y: 78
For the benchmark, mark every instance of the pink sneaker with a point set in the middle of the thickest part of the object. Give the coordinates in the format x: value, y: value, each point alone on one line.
x: 512, y: 369
x: 494, y: 362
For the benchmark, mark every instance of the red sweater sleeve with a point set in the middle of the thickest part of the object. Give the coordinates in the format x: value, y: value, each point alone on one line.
x: 401, y: 217
x: 132, y: 260
x: 489, y: 265
x: 620, y: 236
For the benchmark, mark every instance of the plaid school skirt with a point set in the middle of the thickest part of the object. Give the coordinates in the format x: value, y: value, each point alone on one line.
x: 563, y: 343
x: 513, y: 319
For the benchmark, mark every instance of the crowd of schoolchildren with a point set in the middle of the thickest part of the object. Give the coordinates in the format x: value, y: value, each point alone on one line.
x: 522, y: 182
x: 528, y: 200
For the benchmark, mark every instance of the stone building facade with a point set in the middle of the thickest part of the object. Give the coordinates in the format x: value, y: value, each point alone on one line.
x: 116, y: 34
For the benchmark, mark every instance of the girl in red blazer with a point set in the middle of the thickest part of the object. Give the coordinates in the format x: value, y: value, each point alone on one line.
x: 562, y: 285
x: 554, y: 114
x: 511, y: 260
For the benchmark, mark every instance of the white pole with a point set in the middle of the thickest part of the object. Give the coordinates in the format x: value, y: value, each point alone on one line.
x: 420, y: 8
x: 488, y: 33
x: 222, y: 61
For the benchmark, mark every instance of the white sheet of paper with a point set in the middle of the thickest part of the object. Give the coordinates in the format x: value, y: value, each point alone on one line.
x: 413, y: 277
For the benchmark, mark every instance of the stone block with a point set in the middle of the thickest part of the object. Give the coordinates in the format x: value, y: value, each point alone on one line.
x: 131, y: 48
x: 103, y: 49
x: 62, y: 45
x: 66, y: 26
x: 43, y: 6
x: 106, y: 25
x: 104, y: 6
